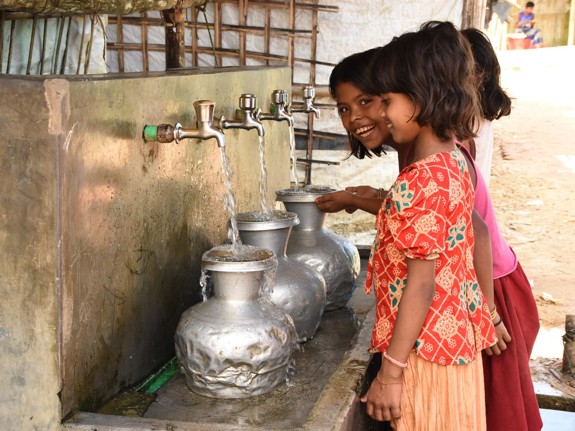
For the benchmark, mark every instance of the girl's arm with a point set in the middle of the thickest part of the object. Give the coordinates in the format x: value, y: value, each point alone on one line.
x: 384, y: 395
x: 483, y: 263
x: 482, y: 258
x: 365, y: 198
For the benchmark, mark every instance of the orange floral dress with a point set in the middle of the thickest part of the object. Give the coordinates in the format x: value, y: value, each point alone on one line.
x: 427, y: 215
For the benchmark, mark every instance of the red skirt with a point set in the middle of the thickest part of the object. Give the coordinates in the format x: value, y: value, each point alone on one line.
x: 510, y: 398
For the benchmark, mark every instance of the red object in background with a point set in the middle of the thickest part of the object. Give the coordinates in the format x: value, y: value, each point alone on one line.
x: 518, y: 43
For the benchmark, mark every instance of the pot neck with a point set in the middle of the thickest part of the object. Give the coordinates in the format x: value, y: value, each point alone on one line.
x: 238, y: 286
x: 310, y: 216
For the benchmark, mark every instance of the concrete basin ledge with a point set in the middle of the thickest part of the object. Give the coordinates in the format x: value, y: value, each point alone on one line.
x: 337, y: 408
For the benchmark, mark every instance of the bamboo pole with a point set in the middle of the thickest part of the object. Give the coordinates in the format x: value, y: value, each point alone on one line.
x: 60, y: 32
x: 120, y: 32
x: 194, y: 49
x: 31, y: 49
x: 218, y: 30
x: 66, y: 44
x: 174, y: 32
x: 267, y: 35
x: 144, y: 27
x: 473, y: 14
x: 242, y: 12
x: 310, y: 117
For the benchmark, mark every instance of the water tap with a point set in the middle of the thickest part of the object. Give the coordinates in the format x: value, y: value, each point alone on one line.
x: 307, y: 107
x: 246, y: 116
x: 279, y: 108
x: 166, y: 133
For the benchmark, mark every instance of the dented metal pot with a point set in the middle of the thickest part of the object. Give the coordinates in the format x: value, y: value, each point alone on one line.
x: 333, y: 256
x: 298, y: 289
x: 236, y: 344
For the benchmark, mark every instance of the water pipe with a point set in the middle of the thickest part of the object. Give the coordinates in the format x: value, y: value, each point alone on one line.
x: 166, y: 133
x: 279, y: 108
x: 246, y: 116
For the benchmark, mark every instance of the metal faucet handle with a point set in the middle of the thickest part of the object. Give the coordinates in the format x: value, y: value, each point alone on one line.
x: 248, y: 102
x: 308, y: 107
x: 279, y: 97
x: 309, y: 92
x: 205, y: 111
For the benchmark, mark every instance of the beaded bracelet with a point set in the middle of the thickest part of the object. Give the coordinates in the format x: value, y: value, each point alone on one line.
x: 394, y: 361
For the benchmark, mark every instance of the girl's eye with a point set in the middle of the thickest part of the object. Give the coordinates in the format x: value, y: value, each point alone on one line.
x: 342, y: 110
x: 365, y: 102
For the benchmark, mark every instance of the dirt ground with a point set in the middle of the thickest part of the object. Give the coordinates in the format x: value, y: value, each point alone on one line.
x: 531, y: 184
x: 534, y: 173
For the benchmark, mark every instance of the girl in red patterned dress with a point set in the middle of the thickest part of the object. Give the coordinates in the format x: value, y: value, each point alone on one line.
x: 432, y: 320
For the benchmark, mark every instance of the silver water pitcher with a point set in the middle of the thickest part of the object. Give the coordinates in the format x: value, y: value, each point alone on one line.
x: 298, y: 289
x: 237, y: 343
x: 333, y: 256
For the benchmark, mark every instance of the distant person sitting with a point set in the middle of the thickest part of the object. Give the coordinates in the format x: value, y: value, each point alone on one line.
x: 525, y: 23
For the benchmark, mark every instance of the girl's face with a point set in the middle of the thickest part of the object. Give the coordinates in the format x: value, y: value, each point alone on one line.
x: 399, y: 113
x: 359, y: 113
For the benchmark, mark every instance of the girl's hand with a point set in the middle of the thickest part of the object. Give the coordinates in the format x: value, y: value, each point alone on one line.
x: 335, y: 202
x: 383, y: 400
x: 363, y: 191
x: 503, y: 338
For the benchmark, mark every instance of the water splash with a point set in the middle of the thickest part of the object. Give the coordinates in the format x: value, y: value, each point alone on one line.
x: 204, y: 284
x: 230, y: 202
x: 293, y: 160
x: 309, y: 189
x: 263, y: 175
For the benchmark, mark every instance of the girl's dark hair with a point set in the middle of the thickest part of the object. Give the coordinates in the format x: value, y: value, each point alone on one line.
x: 355, y: 70
x: 434, y: 67
x: 495, y: 103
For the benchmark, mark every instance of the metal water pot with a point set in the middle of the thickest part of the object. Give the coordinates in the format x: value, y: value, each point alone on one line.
x: 333, y: 256
x: 236, y: 344
x: 298, y: 289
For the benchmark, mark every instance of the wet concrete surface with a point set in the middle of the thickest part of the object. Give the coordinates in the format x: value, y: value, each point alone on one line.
x: 320, y: 394
x: 289, y: 405
x: 285, y: 407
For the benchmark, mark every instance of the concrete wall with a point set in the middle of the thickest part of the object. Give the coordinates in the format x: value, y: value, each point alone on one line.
x: 102, y: 235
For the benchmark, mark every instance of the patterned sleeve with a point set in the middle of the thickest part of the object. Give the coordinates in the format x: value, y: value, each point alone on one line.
x: 417, y: 213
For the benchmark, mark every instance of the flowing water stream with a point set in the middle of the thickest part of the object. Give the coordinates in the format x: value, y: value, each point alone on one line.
x: 263, y: 175
x: 230, y: 203
x: 293, y: 160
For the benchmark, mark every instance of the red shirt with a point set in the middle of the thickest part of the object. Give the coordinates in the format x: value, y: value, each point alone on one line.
x: 427, y: 215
